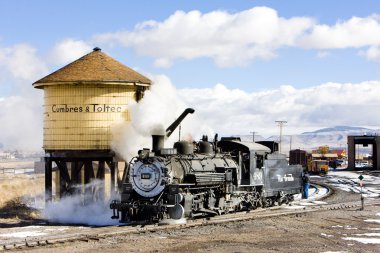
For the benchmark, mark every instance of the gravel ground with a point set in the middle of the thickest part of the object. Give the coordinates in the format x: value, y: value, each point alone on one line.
x: 342, y: 230
x: 321, y: 231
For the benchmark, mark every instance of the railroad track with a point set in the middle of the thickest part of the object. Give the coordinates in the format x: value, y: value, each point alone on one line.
x: 87, y: 234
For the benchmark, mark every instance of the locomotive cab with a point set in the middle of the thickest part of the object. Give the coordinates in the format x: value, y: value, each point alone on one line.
x: 250, y: 157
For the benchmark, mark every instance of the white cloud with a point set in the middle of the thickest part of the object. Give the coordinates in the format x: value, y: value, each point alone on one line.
x: 353, y: 33
x: 21, y: 122
x: 21, y: 63
x: 323, y: 54
x: 21, y: 114
x: 235, y: 39
x: 372, y: 53
x: 69, y: 50
x: 229, y: 39
x: 233, y: 111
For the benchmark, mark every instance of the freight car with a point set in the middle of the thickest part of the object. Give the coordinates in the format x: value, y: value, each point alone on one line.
x: 204, y: 178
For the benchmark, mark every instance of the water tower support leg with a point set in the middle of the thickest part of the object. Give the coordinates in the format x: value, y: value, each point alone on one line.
x: 76, y: 176
x: 88, y: 175
x: 111, y: 165
x: 101, y: 175
x: 65, y: 181
x: 48, y: 179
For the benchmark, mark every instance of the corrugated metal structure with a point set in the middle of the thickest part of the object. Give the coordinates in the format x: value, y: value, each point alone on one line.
x: 82, y: 101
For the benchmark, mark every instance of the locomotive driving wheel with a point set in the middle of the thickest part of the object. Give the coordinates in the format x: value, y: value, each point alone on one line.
x: 268, y: 202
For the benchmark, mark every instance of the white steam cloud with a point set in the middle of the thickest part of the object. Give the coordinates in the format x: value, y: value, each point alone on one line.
x: 160, y: 106
x: 71, y: 210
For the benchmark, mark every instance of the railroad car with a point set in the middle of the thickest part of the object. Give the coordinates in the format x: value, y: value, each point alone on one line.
x: 203, y: 178
x: 318, y: 167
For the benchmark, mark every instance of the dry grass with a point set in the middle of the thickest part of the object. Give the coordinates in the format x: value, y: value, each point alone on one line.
x: 14, y: 191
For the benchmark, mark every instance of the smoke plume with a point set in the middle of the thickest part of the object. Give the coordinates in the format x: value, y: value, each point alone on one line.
x: 160, y: 106
x: 74, y: 209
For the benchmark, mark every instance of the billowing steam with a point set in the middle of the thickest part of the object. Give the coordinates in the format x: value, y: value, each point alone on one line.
x: 152, y: 115
x: 81, y: 209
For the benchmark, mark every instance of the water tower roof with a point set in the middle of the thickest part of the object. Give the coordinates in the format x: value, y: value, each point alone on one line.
x: 94, y: 67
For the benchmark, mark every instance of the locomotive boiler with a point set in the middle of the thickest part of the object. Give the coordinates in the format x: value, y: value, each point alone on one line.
x: 203, y: 178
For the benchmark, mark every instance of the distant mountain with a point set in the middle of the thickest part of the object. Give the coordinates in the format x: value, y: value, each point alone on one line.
x: 348, y: 130
x: 334, y: 137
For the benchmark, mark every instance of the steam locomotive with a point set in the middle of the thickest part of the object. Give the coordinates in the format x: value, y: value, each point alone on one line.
x: 204, y: 178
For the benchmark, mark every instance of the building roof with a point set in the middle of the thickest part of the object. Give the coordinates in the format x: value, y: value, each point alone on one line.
x: 94, y: 67
x: 324, y: 155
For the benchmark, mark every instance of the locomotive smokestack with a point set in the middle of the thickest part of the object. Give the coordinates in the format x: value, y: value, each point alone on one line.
x: 178, y: 121
x: 158, y: 140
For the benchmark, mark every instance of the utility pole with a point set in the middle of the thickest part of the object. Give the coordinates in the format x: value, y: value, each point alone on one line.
x: 290, y: 143
x: 280, y: 123
x: 253, y: 136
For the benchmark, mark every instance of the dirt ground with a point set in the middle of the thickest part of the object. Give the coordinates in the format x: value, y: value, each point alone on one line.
x: 321, y: 231
x: 15, y: 192
x: 341, y: 230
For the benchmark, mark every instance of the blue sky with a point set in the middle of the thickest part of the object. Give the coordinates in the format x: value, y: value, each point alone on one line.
x: 299, y: 58
x: 42, y: 24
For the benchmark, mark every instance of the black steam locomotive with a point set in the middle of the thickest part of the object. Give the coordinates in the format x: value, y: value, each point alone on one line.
x: 204, y: 178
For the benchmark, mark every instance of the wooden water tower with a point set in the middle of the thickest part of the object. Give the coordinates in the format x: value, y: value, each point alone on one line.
x: 82, y: 101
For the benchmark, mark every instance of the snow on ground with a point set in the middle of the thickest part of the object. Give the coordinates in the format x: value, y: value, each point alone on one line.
x: 349, y: 181
x: 23, y: 234
x: 30, y: 231
x: 372, y: 221
x: 363, y: 240
x: 335, y: 252
x: 366, y: 238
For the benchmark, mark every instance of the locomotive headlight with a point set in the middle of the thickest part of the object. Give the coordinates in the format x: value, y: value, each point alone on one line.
x: 147, y: 178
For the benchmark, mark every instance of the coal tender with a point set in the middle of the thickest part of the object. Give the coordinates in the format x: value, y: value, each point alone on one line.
x: 203, y: 179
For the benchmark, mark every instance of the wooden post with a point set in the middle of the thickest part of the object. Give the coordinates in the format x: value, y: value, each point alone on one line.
x: 48, y: 180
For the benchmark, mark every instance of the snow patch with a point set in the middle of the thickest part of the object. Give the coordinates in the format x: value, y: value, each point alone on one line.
x: 23, y: 234
x: 373, y: 221
x: 363, y: 240
x: 294, y: 207
x: 326, y: 235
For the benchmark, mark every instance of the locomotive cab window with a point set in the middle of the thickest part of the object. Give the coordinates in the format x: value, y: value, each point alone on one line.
x: 259, y: 161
